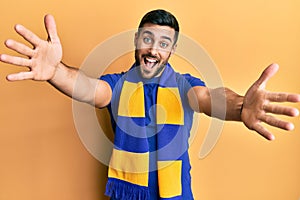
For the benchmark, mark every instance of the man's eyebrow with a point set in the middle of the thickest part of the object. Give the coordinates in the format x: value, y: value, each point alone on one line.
x: 167, y: 38
x: 150, y: 33
x: 147, y: 32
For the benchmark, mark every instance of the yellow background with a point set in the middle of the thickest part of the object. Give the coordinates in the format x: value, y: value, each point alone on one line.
x: 41, y: 155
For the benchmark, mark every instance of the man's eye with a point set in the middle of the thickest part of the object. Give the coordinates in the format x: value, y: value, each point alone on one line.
x: 147, y: 40
x: 164, y: 45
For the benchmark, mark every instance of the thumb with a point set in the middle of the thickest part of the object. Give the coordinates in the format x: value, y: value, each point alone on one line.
x: 266, y: 75
x: 51, y: 28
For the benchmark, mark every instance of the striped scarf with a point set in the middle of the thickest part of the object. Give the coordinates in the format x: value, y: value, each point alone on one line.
x: 129, y: 165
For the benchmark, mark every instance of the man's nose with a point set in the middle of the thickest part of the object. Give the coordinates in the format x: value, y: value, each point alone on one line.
x: 154, y: 49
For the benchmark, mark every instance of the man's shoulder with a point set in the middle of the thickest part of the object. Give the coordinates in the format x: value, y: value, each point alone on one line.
x: 112, y: 78
x: 189, y: 79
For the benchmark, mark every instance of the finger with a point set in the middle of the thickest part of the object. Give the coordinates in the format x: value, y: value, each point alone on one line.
x: 273, y: 121
x: 20, y: 76
x: 51, y: 28
x: 14, y: 60
x: 27, y: 35
x: 281, y: 110
x: 264, y: 132
x: 266, y: 75
x: 283, y: 97
x: 19, y: 47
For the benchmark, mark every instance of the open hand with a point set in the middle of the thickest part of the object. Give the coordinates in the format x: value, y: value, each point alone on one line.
x: 41, y: 59
x: 257, y: 105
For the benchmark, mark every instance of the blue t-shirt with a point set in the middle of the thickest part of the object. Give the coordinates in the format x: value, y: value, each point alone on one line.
x: 185, y: 83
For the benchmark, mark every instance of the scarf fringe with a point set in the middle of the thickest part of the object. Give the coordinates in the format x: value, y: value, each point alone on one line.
x: 126, y: 191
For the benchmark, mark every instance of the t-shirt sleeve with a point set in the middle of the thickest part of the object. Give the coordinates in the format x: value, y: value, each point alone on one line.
x: 193, y: 81
x: 111, y: 79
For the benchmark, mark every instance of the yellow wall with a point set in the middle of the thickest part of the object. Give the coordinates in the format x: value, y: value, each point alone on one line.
x: 41, y: 154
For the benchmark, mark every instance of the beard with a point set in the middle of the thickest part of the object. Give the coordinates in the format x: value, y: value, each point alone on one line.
x: 158, y: 70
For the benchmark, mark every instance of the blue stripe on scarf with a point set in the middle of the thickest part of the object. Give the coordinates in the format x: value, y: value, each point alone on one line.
x: 130, y: 142
x: 122, y: 190
x: 171, y: 146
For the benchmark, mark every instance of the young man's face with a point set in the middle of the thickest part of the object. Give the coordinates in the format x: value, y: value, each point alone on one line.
x: 154, y: 45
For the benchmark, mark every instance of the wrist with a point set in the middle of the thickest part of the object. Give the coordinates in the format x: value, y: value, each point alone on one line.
x: 241, y: 109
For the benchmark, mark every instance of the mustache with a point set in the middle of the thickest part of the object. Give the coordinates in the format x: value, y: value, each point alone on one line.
x: 150, y: 56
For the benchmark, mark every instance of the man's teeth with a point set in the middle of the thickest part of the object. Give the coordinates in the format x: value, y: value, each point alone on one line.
x: 151, y: 60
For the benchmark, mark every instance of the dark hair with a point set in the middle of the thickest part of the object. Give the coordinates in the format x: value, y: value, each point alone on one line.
x: 162, y: 18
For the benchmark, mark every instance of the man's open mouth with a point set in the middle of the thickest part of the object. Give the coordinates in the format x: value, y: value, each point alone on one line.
x: 150, y: 62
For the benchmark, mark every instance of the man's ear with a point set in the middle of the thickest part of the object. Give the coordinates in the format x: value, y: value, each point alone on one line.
x: 136, y: 35
x: 173, y: 49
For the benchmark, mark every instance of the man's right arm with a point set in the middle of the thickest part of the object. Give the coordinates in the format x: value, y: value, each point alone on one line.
x: 75, y: 84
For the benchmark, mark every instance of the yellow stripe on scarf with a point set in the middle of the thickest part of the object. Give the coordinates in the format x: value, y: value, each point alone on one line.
x: 130, y: 167
x: 169, y: 178
x: 169, y: 107
x: 131, y: 102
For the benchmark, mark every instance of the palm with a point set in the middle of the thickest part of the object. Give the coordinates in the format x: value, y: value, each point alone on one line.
x: 257, y: 105
x: 42, y: 59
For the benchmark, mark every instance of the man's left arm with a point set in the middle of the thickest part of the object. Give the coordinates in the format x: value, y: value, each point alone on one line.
x: 253, y: 109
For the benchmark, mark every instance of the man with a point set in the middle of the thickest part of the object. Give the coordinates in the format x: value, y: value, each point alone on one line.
x: 151, y: 106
